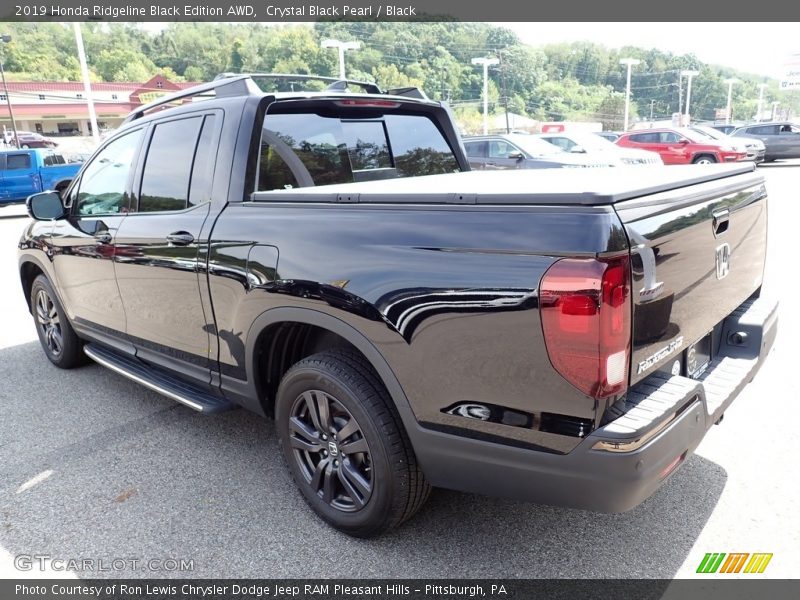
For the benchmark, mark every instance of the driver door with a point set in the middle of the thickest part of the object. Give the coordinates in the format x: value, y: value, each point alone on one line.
x: 83, y: 243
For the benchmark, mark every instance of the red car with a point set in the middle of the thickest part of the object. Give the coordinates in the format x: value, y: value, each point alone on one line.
x: 681, y: 146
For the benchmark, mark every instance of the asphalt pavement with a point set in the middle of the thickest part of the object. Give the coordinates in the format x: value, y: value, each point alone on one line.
x: 93, y: 466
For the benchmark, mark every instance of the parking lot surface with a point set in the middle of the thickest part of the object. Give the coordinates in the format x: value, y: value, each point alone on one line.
x: 95, y: 466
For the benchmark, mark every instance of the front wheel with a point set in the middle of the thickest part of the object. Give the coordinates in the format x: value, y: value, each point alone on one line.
x: 345, y: 445
x: 704, y: 160
x: 60, y: 343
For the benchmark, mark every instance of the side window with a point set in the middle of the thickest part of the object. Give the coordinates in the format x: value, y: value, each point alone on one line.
x: 50, y: 160
x: 18, y: 161
x: 561, y: 142
x: 475, y: 149
x: 168, y: 166
x: 763, y: 130
x: 500, y: 149
x: 669, y: 137
x: 644, y: 138
x: 203, y: 167
x: 104, y: 182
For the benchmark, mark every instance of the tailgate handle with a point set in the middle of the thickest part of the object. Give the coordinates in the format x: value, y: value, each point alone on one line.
x: 720, y: 222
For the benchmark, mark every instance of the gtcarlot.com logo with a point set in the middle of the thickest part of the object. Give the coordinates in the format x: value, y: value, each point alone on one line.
x: 737, y: 562
x: 43, y: 562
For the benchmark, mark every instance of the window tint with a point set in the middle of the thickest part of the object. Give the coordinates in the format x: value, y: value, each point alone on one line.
x: 763, y: 130
x: 668, y: 137
x: 561, y: 142
x: 644, y: 138
x: 203, y: 168
x: 500, y: 149
x: 53, y: 159
x: 105, y: 179
x: 18, y: 161
x: 300, y: 149
x: 475, y: 149
x: 168, y: 166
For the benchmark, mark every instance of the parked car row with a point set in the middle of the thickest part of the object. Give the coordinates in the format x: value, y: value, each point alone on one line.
x: 28, y: 139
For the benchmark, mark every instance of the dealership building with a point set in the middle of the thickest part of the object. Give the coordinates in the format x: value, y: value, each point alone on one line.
x: 60, y: 108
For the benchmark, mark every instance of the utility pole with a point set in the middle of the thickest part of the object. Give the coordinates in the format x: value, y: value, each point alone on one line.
x: 342, y: 47
x: 87, y: 85
x: 761, y: 87
x: 680, y: 92
x: 652, y: 102
x: 774, y: 109
x: 486, y: 62
x: 630, y: 62
x: 503, y: 86
x: 689, y: 75
x: 6, y: 39
x: 730, y: 81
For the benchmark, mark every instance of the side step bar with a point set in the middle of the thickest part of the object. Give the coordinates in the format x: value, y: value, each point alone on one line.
x: 156, y: 380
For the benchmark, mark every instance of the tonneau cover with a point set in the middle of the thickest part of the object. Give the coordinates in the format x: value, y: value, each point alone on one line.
x: 590, y: 186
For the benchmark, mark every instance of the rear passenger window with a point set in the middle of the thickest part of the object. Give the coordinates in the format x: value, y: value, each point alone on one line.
x: 51, y: 160
x: 476, y: 149
x: 168, y: 166
x: 18, y: 161
x: 644, y: 138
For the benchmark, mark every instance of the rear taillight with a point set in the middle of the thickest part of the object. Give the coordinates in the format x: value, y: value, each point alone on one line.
x: 585, y: 307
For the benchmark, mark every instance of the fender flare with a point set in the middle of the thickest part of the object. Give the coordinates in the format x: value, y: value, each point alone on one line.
x: 346, y: 331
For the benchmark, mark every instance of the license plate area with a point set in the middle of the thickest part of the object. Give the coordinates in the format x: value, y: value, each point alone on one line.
x: 697, y: 357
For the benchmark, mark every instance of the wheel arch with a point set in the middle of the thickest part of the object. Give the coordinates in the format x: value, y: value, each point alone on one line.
x: 29, y: 270
x: 292, y: 317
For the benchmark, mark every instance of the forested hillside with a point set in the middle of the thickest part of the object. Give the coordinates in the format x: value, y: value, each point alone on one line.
x: 581, y: 81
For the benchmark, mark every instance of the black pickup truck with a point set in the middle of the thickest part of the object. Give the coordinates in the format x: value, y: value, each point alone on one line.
x: 321, y: 257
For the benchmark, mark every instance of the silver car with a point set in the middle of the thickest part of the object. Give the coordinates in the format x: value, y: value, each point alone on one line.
x: 755, y: 149
x: 523, y: 151
x: 591, y: 144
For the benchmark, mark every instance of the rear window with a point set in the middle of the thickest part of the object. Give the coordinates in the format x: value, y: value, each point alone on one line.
x: 311, y: 149
x: 50, y: 160
x: 18, y: 161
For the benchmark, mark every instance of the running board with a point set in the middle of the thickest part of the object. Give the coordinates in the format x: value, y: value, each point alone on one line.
x: 156, y: 380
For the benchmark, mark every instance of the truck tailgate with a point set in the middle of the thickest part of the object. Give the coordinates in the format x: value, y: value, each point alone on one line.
x: 697, y: 253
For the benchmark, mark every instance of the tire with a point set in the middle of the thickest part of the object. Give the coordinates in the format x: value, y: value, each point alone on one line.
x: 60, y: 343
x: 704, y: 159
x: 375, y: 484
x: 25, y: 146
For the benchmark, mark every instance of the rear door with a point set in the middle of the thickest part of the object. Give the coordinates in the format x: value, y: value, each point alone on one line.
x: 476, y: 153
x: 157, y: 245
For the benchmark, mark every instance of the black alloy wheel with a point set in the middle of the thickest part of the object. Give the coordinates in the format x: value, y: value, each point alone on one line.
x: 345, y: 445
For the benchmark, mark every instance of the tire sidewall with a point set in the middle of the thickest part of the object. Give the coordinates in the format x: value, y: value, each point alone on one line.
x: 70, y: 343
x: 379, y: 505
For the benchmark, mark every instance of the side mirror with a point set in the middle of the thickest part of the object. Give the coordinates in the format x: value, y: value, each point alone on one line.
x: 577, y: 150
x: 45, y: 206
x: 683, y: 142
x: 516, y: 155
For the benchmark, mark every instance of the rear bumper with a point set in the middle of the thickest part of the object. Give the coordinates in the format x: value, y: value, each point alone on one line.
x: 622, y: 463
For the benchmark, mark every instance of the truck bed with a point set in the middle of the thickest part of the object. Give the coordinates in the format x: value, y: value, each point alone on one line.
x: 588, y: 187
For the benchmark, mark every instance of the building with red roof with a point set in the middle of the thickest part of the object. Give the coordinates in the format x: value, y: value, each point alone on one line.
x: 60, y: 107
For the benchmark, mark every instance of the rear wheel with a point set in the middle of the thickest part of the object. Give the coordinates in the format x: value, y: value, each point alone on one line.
x: 345, y: 445
x: 59, y: 341
x: 704, y: 159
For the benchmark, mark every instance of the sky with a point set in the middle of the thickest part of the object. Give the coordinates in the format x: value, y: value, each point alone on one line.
x: 759, y: 48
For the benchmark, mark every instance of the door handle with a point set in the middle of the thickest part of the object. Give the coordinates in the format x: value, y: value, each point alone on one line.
x: 720, y: 221
x: 104, y: 237
x: 180, y: 238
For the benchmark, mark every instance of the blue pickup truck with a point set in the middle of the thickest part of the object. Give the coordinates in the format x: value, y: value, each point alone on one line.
x: 26, y: 172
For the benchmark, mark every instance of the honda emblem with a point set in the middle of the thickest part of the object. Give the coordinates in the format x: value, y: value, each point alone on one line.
x: 723, y: 260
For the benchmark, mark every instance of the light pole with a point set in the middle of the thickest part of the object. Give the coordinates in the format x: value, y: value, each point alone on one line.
x: 5, y: 39
x: 689, y: 75
x: 486, y: 62
x: 774, y: 109
x: 630, y: 62
x: 761, y: 87
x: 87, y: 85
x: 342, y: 46
x: 730, y: 81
